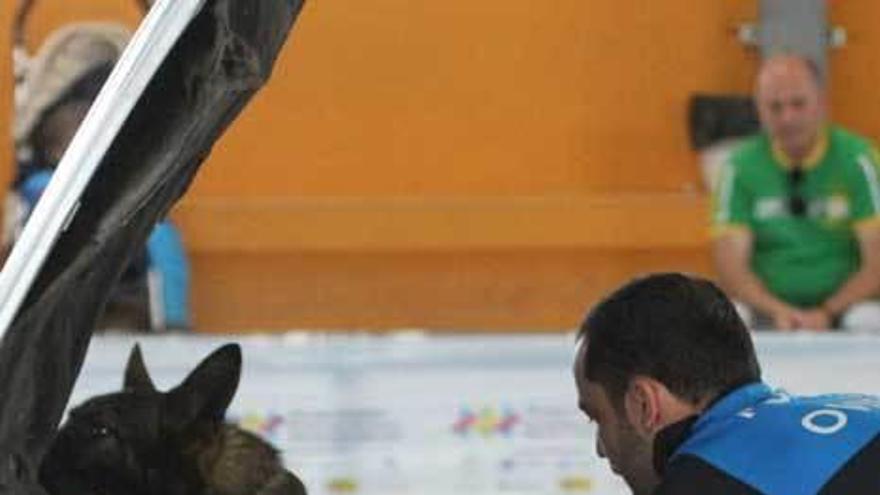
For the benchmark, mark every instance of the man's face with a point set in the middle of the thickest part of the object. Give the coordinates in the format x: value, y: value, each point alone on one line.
x: 790, y: 105
x: 629, y: 453
x: 60, y: 126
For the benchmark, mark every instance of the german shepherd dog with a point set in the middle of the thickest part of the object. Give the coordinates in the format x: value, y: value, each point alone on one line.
x: 141, y: 441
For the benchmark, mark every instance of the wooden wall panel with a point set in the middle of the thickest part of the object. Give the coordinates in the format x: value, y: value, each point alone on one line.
x: 496, y: 97
x: 6, y: 13
x: 500, y: 97
x: 855, y: 68
x: 509, y: 290
x: 482, y: 115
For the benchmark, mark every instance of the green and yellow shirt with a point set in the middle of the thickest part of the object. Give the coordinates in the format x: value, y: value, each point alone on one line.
x: 802, y: 259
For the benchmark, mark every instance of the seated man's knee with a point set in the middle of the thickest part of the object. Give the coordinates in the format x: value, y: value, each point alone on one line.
x: 862, y: 317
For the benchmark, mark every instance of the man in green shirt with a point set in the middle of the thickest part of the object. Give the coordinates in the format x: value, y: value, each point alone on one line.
x: 797, y: 211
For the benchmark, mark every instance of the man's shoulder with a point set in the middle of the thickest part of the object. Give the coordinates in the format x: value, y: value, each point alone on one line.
x: 823, y: 434
x: 752, y: 158
x: 690, y: 474
x: 859, y: 474
x: 751, y: 146
x: 849, y: 141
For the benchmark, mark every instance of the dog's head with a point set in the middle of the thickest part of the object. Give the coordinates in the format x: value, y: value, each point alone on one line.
x: 134, y: 441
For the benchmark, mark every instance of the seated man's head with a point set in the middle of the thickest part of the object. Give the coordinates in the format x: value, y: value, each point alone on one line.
x: 790, y: 97
x: 657, y: 351
x: 59, y: 85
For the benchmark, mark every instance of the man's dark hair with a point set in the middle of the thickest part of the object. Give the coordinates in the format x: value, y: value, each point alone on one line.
x: 680, y: 330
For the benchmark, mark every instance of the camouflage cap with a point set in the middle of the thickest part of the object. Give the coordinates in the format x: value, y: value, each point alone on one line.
x: 67, y: 55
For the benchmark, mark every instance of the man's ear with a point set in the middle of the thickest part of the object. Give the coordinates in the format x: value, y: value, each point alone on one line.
x: 207, y: 391
x: 137, y: 379
x: 643, y: 404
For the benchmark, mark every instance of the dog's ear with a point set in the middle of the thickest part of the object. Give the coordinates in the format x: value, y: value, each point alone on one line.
x: 137, y: 379
x: 207, y: 391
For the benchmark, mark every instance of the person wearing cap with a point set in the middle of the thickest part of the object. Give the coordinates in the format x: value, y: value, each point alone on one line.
x: 796, y: 211
x: 54, y: 91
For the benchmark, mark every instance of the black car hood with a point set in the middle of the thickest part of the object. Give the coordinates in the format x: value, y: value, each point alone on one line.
x: 222, y: 58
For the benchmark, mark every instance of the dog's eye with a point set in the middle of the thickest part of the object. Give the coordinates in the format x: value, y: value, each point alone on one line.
x: 100, y: 431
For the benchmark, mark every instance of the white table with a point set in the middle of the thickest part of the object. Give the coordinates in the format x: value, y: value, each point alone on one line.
x: 412, y: 414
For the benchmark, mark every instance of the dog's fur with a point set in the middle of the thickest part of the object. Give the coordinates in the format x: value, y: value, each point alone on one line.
x: 144, y: 442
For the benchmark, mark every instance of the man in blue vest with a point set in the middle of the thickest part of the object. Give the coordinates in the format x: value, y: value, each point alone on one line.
x: 667, y: 371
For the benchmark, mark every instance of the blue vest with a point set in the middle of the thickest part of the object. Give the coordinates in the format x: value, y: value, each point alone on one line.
x: 165, y: 254
x: 781, y: 444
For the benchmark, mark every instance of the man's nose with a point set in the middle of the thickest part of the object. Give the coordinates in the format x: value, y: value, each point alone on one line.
x: 789, y: 114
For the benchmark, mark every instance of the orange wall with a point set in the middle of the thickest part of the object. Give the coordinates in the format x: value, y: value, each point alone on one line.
x: 5, y: 92
x: 855, y: 69
x: 498, y: 97
x: 378, y: 181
